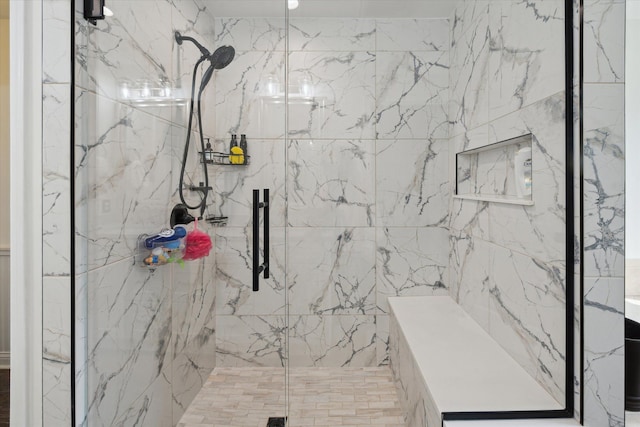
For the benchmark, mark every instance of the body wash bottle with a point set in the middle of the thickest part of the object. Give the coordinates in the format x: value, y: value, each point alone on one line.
x: 523, y: 173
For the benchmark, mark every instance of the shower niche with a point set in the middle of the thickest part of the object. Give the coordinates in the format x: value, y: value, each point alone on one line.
x: 499, y: 172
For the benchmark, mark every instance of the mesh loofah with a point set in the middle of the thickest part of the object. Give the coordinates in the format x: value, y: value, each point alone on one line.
x: 197, y: 244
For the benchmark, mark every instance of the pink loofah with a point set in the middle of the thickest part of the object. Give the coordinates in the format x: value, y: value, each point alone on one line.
x: 197, y: 244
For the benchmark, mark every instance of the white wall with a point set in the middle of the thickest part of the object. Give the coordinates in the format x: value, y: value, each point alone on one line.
x: 4, y: 190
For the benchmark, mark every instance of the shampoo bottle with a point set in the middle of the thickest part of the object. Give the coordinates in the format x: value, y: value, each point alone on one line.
x: 243, y: 146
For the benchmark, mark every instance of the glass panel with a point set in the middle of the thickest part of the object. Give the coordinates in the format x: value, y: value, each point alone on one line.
x: 155, y: 330
x: 382, y: 95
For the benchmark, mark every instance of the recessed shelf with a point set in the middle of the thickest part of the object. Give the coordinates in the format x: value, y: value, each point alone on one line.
x: 499, y: 173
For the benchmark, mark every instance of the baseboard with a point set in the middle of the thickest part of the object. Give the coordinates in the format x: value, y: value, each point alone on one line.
x: 5, y: 360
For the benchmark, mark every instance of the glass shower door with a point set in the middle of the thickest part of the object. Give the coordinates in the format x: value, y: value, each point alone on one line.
x: 154, y: 336
x: 367, y: 194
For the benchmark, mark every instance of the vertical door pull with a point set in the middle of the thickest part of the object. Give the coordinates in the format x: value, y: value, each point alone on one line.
x: 257, y: 267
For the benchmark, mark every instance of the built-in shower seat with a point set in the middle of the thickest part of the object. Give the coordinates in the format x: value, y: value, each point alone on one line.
x: 444, y: 362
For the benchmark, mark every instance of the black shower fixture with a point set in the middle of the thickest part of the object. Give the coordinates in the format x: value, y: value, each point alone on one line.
x: 93, y: 10
x: 219, y: 59
x: 180, y: 38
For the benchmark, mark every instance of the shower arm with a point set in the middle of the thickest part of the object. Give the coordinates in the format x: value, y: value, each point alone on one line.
x: 203, y: 50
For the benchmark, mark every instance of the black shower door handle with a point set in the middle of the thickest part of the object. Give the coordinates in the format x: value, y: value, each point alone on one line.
x: 257, y: 267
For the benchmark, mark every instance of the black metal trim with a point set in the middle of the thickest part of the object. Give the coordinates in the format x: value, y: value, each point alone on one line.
x: 265, y: 205
x: 256, y: 241
x: 581, y: 184
x: 93, y: 10
x: 570, y: 213
x: 72, y: 216
x: 506, y: 415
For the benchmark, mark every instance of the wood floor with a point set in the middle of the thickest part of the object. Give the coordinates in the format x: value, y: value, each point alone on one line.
x: 4, y: 397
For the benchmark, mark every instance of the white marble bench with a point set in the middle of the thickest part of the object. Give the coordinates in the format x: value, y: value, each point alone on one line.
x: 443, y: 361
x: 632, y: 308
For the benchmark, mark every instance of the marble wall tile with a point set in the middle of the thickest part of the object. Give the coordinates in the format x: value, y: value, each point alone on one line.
x: 233, y: 273
x: 233, y: 185
x: 545, y: 121
x: 470, y: 276
x: 57, y: 375
x: 401, y: 35
x: 243, y: 100
x: 56, y: 186
x: 469, y: 62
x: 604, y: 352
x: 250, y: 341
x: 251, y: 34
x: 418, y: 407
x: 412, y: 94
x: 56, y: 351
x: 344, y: 101
x: 332, y: 34
x: 604, y: 158
x: 526, y: 62
x: 56, y: 21
x: 331, y: 183
x: 471, y: 217
x: 127, y: 157
x: 331, y: 271
x: 410, y: 262
x: 603, y: 197
x: 129, y: 347
x: 193, y: 322
x: 415, y: 193
x: 537, y: 230
x: 603, y: 29
x: 464, y: 17
x: 382, y: 339
x: 470, y: 139
x: 527, y: 313
x: 322, y: 341
x: 125, y: 47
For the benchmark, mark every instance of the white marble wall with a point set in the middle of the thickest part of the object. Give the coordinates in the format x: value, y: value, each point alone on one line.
x: 507, y: 263
x: 364, y: 173
x: 56, y: 224
x: 604, y: 211
x: 146, y: 341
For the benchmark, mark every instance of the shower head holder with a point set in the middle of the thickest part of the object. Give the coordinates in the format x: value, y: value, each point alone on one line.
x: 180, y: 38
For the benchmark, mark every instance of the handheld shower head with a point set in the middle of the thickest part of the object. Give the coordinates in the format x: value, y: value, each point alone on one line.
x: 219, y: 59
x: 222, y: 57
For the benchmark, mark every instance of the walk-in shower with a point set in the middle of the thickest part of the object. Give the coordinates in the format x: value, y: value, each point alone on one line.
x: 386, y: 135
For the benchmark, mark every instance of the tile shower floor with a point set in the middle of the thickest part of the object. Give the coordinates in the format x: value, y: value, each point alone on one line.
x: 239, y: 397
